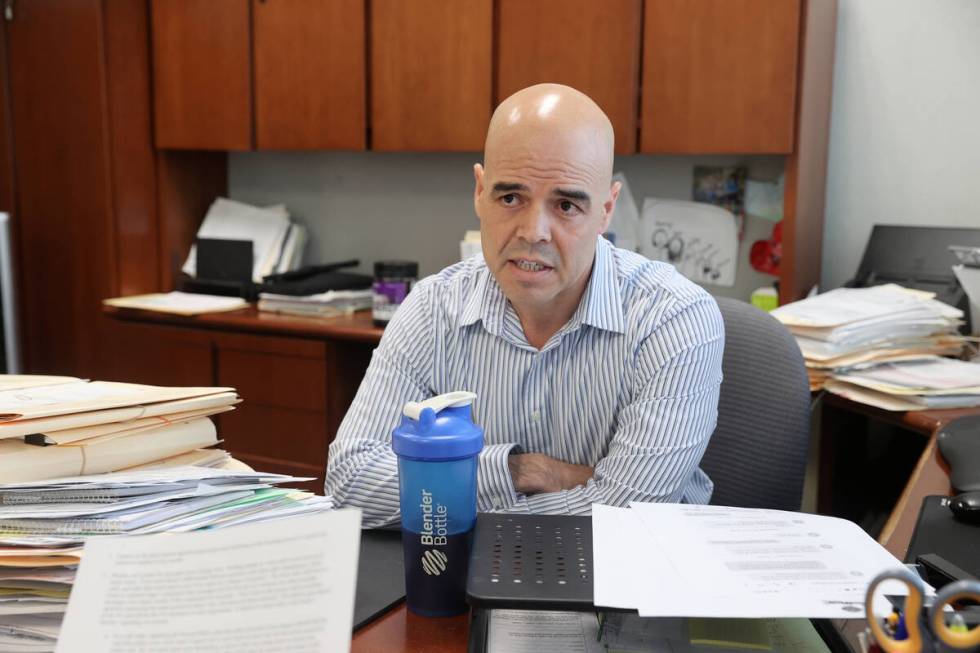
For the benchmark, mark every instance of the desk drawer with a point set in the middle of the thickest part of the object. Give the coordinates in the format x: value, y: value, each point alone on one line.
x: 258, y: 429
x: 271, y: 379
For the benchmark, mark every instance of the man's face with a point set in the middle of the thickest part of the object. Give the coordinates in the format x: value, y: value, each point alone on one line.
x: 542, y: 200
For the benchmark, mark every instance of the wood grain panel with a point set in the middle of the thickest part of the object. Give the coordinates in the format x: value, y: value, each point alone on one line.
x: 141, y: 353
x: 274, y: 379
x: 719, y: 76
x: 430, y: 74
x: 202, y: 74
x: 310, y: 87
x: 61, y: 149
x: 133, y: 169
x: 591, y: 46
x: 806, y: 167
x: 260, y: 430
x: 6, y: 131
x: 346, y: 364
x: 187, y: 183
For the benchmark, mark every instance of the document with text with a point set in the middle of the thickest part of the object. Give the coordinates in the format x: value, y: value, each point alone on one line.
x: 276, y: 586
x: 713, y: 561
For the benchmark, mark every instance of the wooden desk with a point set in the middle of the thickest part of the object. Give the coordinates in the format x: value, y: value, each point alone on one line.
x: 297, y: 375
x: 930, y: 475
x: 400, y: 631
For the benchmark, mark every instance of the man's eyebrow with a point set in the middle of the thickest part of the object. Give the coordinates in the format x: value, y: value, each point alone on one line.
x: 508, y: 187
x: 570, y: 194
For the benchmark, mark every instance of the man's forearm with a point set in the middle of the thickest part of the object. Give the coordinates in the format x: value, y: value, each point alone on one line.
x: 536, y: 473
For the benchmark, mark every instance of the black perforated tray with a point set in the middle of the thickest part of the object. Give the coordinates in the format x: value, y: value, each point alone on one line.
x: 531, y: 562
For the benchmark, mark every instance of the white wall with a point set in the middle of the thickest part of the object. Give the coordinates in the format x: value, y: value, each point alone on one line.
x: 905, y: 127
x: 374, y: 205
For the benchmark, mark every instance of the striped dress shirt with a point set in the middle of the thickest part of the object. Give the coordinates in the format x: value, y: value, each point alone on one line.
x: 628, y: 386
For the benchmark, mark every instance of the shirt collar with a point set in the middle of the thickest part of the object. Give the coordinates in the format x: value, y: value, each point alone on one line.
x: 601, y: 305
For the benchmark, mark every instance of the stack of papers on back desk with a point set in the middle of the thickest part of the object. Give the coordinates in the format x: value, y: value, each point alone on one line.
x: 673, y: 560
x: 327, y: 304
x: 913, y: 385
x: 853, y: 328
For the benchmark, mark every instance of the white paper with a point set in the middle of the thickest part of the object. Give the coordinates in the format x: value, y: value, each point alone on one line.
x: 700, y: 240
x: 712, y: 561
x: 933, y: 375
x: 543, y: 631
x: 181, y: 303
x: 271, y: 587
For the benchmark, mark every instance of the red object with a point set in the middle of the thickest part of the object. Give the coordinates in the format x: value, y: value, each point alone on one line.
x: 765, y: 255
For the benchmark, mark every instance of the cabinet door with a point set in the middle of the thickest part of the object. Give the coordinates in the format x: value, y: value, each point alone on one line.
x: 63, y: 207
x: 591, y: 46
x: 430, y: 74
x: 282, y: 423
x: 202, y: 74
x: 309, y: 74
x: 719, y: 76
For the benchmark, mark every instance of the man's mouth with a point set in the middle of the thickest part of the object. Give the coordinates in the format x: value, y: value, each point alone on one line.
x: 528, y: 265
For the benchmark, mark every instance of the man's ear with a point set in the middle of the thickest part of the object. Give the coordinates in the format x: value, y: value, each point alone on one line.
x: 478, y: 187
x: 609, y: 206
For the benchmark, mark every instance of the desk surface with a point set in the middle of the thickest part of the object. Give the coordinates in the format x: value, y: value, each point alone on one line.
x: 356, y: 326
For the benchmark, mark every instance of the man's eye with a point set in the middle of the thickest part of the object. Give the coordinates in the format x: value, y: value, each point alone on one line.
x: 509, y: 200
x: 567, y: 207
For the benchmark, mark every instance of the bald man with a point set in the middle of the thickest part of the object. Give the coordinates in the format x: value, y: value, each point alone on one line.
x: 597, y: 370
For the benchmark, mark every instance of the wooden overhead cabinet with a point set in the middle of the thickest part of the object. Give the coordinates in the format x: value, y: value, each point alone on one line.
x: 265, y: 74
x: 430, y: 74
x: 202, y: 80
x: 309, y: 74
x: 591, y: 46
x: 719, y: 76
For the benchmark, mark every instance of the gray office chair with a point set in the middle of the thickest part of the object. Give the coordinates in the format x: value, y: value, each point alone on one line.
x: 757, y: 454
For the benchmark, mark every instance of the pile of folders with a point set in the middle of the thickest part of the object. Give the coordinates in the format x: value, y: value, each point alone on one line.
x: 85, y: 459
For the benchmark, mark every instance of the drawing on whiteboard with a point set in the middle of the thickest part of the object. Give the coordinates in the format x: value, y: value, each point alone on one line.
x: 699, y: 239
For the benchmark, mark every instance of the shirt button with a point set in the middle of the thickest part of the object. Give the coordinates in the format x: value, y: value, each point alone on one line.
x: 496, y: 503
x: 536, y: 416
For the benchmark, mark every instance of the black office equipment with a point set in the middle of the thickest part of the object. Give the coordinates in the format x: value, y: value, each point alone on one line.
x: 380, y: 575
x: 544, y: 562
x: 219, y: 259
x: 316, y: 279
x: 959, y: 443
x: 937, y: 532
x: 916, y: 257
x: 222, y: 267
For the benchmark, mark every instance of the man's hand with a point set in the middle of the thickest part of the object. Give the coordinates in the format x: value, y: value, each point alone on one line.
x: 534, y: 473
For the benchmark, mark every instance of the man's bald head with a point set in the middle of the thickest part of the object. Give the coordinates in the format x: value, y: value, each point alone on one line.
x: 544, y: 196
x: 543, y: 116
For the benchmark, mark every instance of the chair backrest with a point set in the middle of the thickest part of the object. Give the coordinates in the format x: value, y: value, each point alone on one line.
x: 757, y: 454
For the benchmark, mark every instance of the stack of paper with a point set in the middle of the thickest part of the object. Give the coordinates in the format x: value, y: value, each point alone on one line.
x: 850, y: 328
x: 277, y: 243
x: 78, y: 427
x: 44, y: 524
x: 328, y: 304
x: 914, y: 385
x: 673, y: 560
x: 179, y: 303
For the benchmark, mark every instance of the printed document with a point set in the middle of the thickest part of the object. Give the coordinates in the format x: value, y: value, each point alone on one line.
x: 543, y: 631
x: 713, y: 561
x: 276, y: 586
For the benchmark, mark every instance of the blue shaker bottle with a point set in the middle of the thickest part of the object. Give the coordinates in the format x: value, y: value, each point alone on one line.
x: 438, y: 448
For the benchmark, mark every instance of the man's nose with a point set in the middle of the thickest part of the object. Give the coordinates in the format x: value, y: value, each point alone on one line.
x: 535, y: 225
